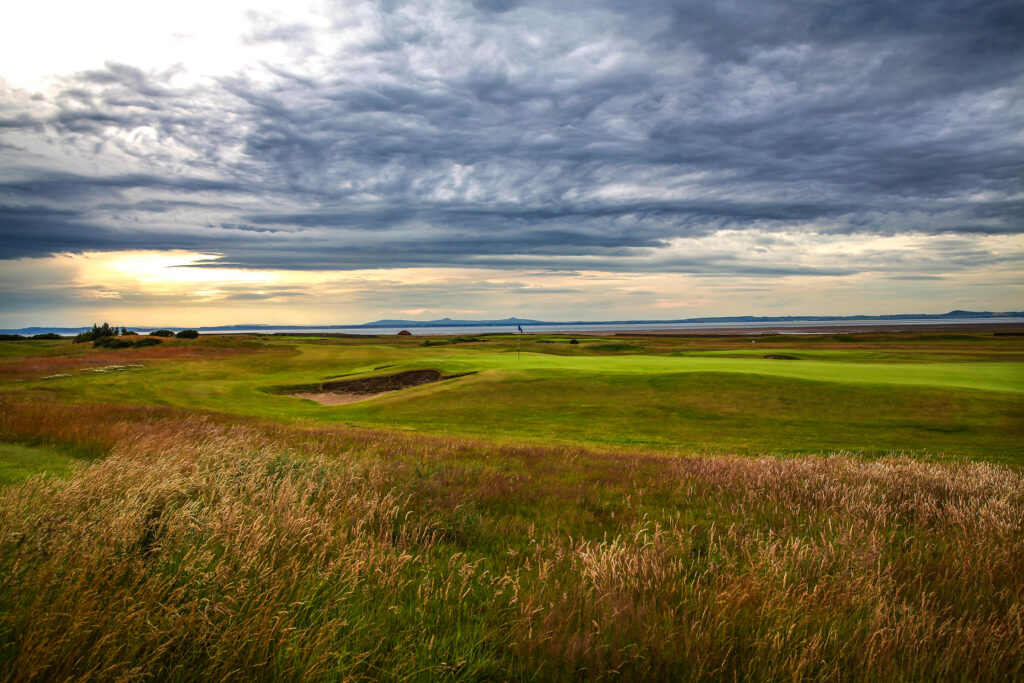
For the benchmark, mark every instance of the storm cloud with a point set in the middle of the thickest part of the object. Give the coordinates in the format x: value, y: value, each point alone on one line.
x: 552, y: 135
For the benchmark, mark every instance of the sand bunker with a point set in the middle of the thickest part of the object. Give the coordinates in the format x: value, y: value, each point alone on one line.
x: 339, y: 392
x: 329, y: 399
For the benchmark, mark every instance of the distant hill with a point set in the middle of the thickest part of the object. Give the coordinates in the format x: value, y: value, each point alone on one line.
x: 448, y: 322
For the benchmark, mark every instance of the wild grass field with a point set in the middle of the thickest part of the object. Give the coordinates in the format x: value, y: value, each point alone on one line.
x: 626, y: 508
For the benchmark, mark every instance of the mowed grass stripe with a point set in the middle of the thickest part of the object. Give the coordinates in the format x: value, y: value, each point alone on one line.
x: 1002, y: 377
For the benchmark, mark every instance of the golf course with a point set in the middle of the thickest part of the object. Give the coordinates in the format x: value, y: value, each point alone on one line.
x: 936, y: 395
x: 503, y: 507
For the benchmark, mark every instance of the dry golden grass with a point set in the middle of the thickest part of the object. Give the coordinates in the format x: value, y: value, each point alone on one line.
x: 201, y: 548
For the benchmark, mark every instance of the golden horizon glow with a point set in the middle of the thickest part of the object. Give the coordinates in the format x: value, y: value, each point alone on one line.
x: 187, y: 288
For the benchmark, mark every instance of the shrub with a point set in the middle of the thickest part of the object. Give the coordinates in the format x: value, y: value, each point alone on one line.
x: 187, y: 334
x: 574, y: 341
x: 148, y: 341
x: 161, y: 333
x: 97, y: 332
x: 47, y: 335
x: 112, y: 343
x: 11, y: 337
x: 125, y: 332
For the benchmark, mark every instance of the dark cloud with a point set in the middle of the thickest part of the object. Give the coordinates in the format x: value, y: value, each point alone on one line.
x: 37, y: 231
x: 495, y: 5
x: 524, y: 134
x: 57, y: 186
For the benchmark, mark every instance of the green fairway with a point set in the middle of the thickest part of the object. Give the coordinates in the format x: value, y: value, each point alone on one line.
x: 872, y: 396
x: 980, y: 376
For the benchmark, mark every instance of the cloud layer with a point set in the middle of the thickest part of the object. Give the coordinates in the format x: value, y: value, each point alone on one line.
x: 666, y: 137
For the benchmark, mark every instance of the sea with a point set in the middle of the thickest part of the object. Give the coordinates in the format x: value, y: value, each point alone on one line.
x: 784, y: 327
x: 794, y: 326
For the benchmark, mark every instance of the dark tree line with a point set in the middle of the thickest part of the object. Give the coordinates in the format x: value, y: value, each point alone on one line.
x: 111, y: 337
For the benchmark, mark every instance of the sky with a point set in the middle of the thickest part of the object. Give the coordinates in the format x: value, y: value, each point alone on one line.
x: 201, y: 163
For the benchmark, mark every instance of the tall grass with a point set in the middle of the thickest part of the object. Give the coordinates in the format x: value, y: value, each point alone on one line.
x: 201, y: 548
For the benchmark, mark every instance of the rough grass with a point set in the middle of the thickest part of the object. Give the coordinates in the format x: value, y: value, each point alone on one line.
x: 32, y: 360
x: 203, y: 547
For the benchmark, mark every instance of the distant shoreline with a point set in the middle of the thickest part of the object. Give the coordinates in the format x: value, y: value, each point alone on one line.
x: 725, y: 326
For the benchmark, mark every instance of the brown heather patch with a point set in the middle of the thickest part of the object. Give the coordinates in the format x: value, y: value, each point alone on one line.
x: 85, y: 356
x: 203, y: 547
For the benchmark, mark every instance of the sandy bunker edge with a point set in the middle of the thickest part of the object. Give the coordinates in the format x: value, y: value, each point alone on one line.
x: 339, y: 392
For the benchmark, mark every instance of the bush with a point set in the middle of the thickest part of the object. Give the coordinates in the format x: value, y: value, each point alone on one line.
x: 125, y: 332
x: 187, y: 334
x: 11, y: 337
x: 112, y: 343
x: 148, y: 341
x: 161, y: 333
x: 574, y: 341
x: 97, y: 332
x: 47, y: 335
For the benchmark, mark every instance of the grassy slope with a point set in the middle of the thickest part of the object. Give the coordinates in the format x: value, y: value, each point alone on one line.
x: 226, y: 550
x: 708, y: 411
x: 18, y: 462
x: 875, y: 397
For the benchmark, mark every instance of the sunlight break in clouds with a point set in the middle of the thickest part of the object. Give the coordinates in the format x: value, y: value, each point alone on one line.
x: 180, y: 288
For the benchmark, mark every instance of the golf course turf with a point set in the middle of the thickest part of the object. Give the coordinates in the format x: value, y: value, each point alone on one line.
x: 841, y: 507
x: 945, y: 395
